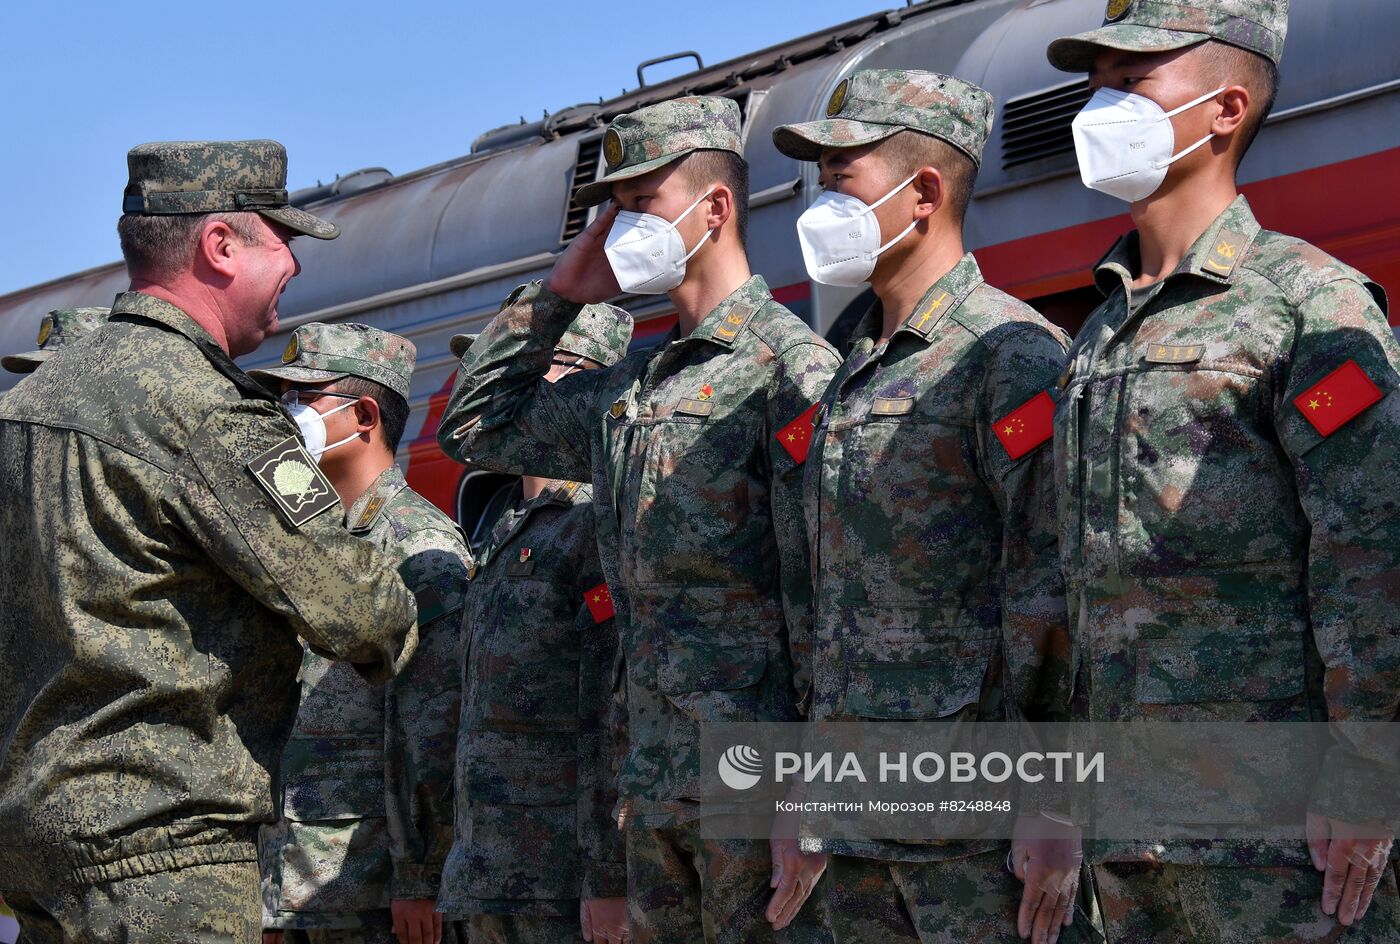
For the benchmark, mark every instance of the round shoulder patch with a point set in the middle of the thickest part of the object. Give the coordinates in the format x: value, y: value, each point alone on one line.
x: 838, y: 98
x: 293, y: 349
x: 612, y: 148
x: 45, y: 329
x: 1116, y: 8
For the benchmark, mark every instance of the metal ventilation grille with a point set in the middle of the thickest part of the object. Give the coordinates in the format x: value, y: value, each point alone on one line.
x: 585, y: 172
x: 1037, y: 126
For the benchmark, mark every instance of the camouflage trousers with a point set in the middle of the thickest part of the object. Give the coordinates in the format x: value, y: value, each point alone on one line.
x: 1174, y: 904
x: 198, y: 904
x: 684, y: 888
x: 521, y: 929
x: 972, y: 900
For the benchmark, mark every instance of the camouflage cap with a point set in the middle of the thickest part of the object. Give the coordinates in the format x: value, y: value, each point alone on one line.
x: 1163, y: 25
x: 319, y: 352
x: 874, y: 104
x: 600, y: 333
x: 57, y: 329
x: 639, y: 142
x: 167, y: 178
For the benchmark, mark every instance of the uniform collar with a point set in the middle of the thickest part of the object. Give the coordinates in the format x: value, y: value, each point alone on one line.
x: 148, y: 307
x: 513, y: 521
x: 369, y: 506
x: 946, y: 296
x: 1214, y: 256
x: 724, y: 323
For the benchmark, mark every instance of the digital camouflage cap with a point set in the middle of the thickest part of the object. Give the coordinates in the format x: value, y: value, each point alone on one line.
x: 874, y: 104
x: 319, y: 353
x: 640, y: 141
x: 1163, y: 25
x: 167, y: 178
x: 58, y: 328
x: 600, y: 333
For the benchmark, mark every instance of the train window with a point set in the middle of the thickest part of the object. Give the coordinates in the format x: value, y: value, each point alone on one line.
x: 1036, y: 127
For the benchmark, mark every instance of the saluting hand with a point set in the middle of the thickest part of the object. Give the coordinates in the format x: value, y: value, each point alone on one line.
x: 582, y: 274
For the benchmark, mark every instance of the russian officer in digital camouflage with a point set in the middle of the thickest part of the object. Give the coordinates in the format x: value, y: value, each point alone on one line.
x: 58, y: 329
x: 167, y: 539
x: 367, y: 775
x: 697, y: 498
x: 930, y: 499
x: 537, y: 852
x: 1228, y: 449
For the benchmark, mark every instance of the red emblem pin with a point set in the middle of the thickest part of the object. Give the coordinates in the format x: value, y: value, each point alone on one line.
x: 524, y: 554
x: 706, y: 391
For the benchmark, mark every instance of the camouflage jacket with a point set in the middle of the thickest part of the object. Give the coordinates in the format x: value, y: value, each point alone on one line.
x: 934, y: 550
x: 698, y: 507
x: 367, y: 773
x: 166, y: 539
x: 1225, y: 560
x: 536, y: 771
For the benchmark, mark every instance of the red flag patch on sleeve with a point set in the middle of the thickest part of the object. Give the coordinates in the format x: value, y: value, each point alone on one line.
x: 1338, y: 398
x: 1027, y: 426
x: 600, y: 603
x: 796, y: 436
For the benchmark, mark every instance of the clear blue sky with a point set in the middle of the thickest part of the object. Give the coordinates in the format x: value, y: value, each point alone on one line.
x: 343, y: 85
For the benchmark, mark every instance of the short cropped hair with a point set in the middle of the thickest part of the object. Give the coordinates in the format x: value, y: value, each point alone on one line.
x: 702, y: 168
x: 160, y: 246
x: 393, y: 408
x: 1223, y: 64
x: 905, y: 152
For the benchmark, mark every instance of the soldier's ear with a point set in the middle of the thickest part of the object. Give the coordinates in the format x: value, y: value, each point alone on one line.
x: 932, y: 190
x: 216, y: 246
x: 367, y: 418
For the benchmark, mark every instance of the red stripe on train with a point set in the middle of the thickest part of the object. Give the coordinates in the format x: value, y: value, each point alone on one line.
x: 1348, y: 209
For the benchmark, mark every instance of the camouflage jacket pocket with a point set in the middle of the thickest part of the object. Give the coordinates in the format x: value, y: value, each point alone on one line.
x: 522, y: 852
x: 519, y: 769
x: 523, y: 670
x: 336, y: 867
x: 1230, y: 674
x: 1198, y: 470
x: 916, y: 666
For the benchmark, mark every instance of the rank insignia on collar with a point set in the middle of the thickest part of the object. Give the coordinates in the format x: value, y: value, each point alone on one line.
x: 618, y: 408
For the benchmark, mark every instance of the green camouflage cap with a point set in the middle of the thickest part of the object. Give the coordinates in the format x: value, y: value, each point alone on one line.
x: 1162, y: 25
x: 167, y: 178
x: 319, y: 352
x: 600, y: 333
x: 639, y: 142
x: 874, y: 104
x: 58, y: 328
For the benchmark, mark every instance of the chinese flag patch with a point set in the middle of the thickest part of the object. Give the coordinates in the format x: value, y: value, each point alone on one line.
x: 796, y: 436
x: 1338, y: 398
x: 1027, y: 426
x: 600, y: 602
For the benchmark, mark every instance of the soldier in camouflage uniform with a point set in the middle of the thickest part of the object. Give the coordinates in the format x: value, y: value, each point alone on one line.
x: 58, y: 329
x: 696, y: 498
x: 367, y: 775
x: 168, y: 537
x: 536, y: 766
x: 930, y: 505
x: 1227, y: 447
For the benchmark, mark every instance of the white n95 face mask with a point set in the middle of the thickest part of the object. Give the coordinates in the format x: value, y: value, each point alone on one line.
x: 840, y: 237
x: 646, y: 253
x: 1125, y: 143
x: 312, y: 425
